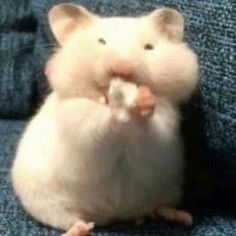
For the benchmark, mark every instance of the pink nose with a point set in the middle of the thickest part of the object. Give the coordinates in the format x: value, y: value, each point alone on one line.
x: 122, y: 68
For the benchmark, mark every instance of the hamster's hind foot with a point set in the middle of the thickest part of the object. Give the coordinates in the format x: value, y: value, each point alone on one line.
x: 172, y: 214
x: 80, y: 228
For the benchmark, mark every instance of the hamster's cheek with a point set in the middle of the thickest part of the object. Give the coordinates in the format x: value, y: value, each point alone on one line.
x: 101, y: 74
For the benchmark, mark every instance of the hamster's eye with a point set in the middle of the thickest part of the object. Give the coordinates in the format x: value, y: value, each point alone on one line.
x: 102, y: 41
x: 148, y: 46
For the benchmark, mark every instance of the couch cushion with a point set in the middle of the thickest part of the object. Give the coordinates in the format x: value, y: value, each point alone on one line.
x: 15, y: 222
x: 17, y: 36
x: 16, y: 79
x: 14, y: 14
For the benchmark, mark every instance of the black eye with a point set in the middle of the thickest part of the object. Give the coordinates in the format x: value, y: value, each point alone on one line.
x: 102, y: 41
x: 148, y: 46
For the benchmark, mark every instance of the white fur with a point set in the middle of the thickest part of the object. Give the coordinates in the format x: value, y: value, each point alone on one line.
x: 76, y: 159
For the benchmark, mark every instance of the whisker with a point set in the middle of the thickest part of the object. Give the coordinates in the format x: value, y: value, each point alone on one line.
x: 8, y: 54
x: 39, y: 72
x: 53, y: 46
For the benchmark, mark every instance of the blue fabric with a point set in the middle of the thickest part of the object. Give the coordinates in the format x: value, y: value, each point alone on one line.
x: 13, y: 13
x: 17, y: 36
x: 209, y: 120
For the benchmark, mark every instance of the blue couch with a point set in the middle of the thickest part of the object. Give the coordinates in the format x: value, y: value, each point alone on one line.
x: 209, y: 119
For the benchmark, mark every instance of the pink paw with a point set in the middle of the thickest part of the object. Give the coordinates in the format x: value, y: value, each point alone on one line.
x: 145, y: 102
x: 172, y: 214
x: 79, y: 229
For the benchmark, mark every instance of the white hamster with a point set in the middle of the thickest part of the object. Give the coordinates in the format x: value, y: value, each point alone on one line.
x: 81, y: 162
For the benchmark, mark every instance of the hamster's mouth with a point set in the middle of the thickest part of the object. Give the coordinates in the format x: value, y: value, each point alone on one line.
x: 103, y: 83
x: 126, y: 79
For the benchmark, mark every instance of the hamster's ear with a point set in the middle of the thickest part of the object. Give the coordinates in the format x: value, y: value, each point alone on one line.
x: 169, y: 23
x: 65, y: 18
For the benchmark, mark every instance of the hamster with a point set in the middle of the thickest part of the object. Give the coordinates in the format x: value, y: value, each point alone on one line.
x: 82, y: 161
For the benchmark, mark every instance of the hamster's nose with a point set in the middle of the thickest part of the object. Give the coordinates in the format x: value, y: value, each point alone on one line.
x: 122, y: 68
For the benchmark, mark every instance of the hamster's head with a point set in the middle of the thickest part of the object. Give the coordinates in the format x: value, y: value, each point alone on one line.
x: 147, y: 50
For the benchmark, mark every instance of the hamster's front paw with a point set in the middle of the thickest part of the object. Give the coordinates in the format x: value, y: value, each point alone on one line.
x: 145, y: 104
x: 122, y: 98
x: 127, y: 99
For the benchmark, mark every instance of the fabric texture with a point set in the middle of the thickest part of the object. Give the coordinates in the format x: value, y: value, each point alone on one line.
x: 17, y: 37
x: 209, y: 119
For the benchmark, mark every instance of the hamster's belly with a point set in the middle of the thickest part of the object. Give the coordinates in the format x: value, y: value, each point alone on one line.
x: 143, y: 179
x: 148, y: 173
